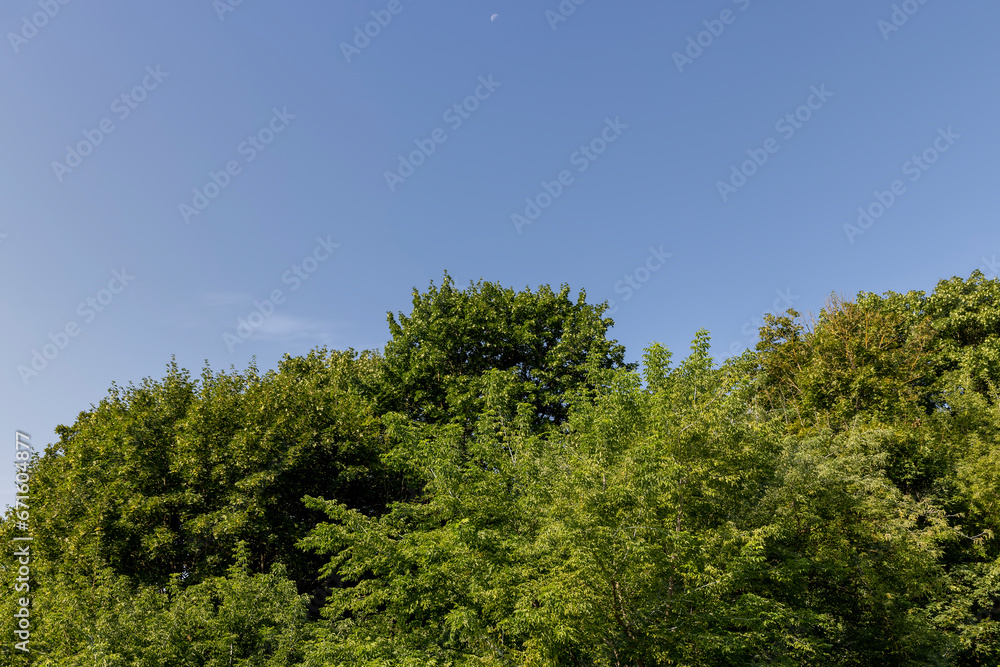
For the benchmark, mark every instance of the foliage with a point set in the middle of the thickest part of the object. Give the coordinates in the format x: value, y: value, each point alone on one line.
x: 439, y: 354
x: 96, y: 617
x: 500, y: 488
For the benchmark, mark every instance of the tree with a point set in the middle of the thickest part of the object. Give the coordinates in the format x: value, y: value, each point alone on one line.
x: 858, y: 359
x: 88, y: 615
x: 439, y: 354
x: 501, y: 489
x: 165, y: 478
x: 590, y: 545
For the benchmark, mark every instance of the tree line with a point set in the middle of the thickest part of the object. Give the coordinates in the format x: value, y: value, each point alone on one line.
x: 497, y: 486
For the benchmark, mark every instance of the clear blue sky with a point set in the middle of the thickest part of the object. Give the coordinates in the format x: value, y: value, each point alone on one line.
x: 203, y: 82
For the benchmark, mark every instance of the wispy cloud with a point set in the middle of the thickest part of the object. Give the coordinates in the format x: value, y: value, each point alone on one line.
x: 285, y: 328
x: 226, y: 298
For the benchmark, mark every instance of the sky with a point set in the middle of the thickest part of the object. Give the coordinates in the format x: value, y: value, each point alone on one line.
x: 218, y: 181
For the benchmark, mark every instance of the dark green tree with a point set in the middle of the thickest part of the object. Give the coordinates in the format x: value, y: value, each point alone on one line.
x: 165, y: 478
x: 439, y: 354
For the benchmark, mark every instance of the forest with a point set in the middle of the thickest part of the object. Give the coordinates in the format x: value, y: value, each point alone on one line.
x: 497, y: 486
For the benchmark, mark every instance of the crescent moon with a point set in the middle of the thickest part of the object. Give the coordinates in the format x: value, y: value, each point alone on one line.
x: 494, y: 17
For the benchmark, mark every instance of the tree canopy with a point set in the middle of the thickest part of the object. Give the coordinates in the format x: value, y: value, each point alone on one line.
x: 498, y: 487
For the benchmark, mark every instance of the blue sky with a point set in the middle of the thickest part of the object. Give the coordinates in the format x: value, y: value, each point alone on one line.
x: 736, y: 136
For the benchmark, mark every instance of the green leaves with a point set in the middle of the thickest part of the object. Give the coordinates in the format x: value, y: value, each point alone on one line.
x: 593, y: 545
x: 240, y: 619
x: 500, y: 488
x: 439, y: 353
x: 167, y: 477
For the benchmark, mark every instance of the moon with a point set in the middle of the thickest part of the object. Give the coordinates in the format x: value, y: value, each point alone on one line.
x: 494, y: 17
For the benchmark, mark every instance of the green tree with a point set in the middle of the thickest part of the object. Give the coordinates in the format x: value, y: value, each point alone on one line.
x: 500, y: 488
x: 165, y: 478
x: 856, y: 360
x: 88, y: 616
x: 917, y: 374
x: 439, y: 354
x: 588, y: 546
